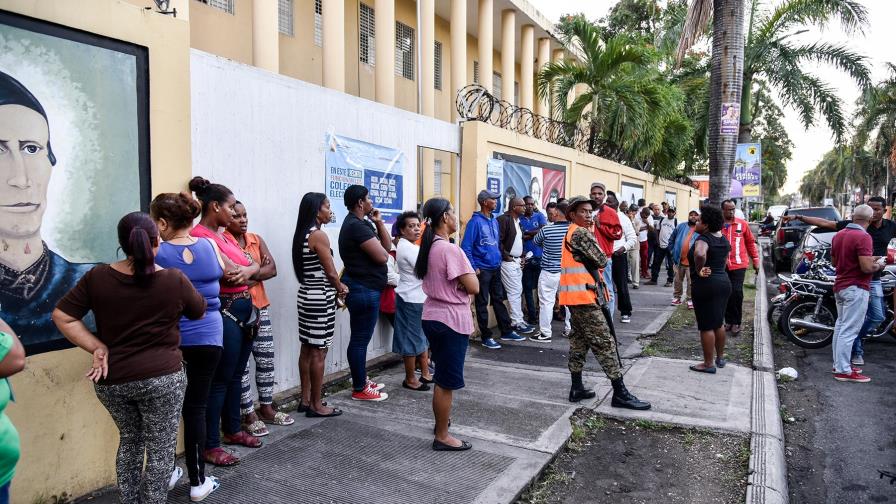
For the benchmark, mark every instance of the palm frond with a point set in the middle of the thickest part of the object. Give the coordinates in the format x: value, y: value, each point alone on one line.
x: 699, y: 13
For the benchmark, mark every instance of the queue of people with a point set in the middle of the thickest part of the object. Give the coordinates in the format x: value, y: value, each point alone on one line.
x: 204, y: 311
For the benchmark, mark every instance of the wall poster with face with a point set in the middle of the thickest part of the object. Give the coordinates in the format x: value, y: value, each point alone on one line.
x: 545, y: 182
x: 74, y: 158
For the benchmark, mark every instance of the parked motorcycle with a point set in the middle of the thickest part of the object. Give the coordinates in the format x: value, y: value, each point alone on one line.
x: 809, y: 313
x: 814, y: 266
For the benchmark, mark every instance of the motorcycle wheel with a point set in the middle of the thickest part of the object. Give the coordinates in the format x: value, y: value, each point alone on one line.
x: 805, y: 337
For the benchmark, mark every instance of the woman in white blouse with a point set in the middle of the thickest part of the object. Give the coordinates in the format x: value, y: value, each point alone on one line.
x: 408, y: 339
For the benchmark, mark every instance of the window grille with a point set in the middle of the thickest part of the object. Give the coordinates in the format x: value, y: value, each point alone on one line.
x: 475, y: 72
x: 404, y: 50
x: 367, y: 35
x: 318, y: 23
x: 437, y: 180
x: 496, y: 86
x: 437, y: 65
x: 224, y: 5
x: 284, y: 17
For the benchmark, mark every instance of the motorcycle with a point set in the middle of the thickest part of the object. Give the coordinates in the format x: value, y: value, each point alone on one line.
x: 815, y: 266
x: 809, y: 313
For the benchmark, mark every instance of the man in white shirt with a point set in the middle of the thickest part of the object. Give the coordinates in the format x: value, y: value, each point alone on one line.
x: 511, y: 244
x: 634, y: 255
x: 621, y: 247
x: 643, y: 223
x: 662, y: 253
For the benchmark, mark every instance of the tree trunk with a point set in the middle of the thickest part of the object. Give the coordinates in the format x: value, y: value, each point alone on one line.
x: 726, y: 79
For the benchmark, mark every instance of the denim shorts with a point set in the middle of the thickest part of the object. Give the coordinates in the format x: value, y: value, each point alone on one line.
x: 449, y: 349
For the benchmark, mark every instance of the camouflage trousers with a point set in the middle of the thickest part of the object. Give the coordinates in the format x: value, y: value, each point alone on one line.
x: 590, y: 330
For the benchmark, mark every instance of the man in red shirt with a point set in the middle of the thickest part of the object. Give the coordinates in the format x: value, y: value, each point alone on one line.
x: 851, y: 252
x: 607, y: 229
x: 743, y: 251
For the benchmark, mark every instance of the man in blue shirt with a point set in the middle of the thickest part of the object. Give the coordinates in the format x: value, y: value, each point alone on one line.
x: 531, y: 222
x: 481, y: 245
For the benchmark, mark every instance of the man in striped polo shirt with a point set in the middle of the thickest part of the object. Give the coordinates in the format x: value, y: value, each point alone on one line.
x: 550, y: 238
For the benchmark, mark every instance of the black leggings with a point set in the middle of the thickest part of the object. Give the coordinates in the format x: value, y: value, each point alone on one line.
x: 734, y: 310
x: 200, y: 364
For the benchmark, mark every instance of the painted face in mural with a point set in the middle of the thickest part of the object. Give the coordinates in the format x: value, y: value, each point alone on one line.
x: 535, y: 190
x: 24, y: 171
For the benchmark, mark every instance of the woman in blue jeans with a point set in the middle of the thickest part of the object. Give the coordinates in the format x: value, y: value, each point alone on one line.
x: 364, y: 244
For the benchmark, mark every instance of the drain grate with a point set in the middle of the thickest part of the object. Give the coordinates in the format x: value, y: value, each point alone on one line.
x: 324, y: 465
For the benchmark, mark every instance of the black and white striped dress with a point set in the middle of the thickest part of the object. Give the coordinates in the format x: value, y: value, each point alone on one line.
x: 316, y: 301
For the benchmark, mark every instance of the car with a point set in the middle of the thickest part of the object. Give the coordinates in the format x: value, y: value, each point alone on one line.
x: 776, y: 211
x: 818, y: 240
x: 788, y: 235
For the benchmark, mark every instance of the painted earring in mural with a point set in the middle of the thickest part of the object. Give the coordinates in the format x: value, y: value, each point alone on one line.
x: 32, y: 277
x: 72, y: 162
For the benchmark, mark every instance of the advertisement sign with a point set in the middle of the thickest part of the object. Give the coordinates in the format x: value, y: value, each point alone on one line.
x: 494, y: 181
x: 748, y: 170
x: 729, y: 123
x: 74, y: 112
x: 631, y: 193
x: 516, y: 180
x: 380, y: 169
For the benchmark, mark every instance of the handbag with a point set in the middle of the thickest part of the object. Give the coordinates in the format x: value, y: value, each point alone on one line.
x: 249, y: 327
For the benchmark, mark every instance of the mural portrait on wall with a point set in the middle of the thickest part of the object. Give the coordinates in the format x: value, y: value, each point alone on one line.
x: 73, y: 160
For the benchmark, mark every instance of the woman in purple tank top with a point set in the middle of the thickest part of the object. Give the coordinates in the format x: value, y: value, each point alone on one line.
x: 201, y: 340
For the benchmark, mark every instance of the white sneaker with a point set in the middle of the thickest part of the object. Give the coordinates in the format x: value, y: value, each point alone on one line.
x: 198, y: 493
x: 176, y: 475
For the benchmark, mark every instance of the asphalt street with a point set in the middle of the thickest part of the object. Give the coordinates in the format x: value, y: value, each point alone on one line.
x: 842, y: 434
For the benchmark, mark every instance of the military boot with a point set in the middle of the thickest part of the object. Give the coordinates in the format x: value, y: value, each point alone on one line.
x: 622, y: 398
x: 578, y: 391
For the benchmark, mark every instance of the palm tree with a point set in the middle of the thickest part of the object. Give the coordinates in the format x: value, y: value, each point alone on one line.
x: 876, y: 111
x: 632, y: 113
x: 774, y: 53
x: 726, y: 80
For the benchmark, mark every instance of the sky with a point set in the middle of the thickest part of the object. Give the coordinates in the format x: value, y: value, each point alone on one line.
x: 877, y: 44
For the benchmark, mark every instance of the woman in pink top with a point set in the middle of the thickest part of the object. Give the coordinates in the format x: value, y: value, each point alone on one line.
x: 223, y: 411
x: 448, y: 281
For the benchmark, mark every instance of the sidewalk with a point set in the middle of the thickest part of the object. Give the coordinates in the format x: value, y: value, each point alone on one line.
x: 513, y: 410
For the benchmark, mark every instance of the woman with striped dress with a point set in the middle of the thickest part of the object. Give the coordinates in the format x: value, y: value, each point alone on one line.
x: 319, y: 285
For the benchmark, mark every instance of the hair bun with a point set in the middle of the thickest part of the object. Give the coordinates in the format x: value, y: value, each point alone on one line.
x: 199, y: 184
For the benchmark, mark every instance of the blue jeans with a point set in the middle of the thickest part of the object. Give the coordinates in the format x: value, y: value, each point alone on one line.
x: 227, y: 385
x: 531, y: 271
x: 363, y: 305
x: 852, y: 303
x: 608, y: 279
x: 4, y: 493
x: 876, y: 313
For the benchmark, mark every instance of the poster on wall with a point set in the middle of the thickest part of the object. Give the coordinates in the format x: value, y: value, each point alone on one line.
x: 494, y: 181
x: 748, y: 169
x: 519, y: 179
x: 631, y: 193
x: 671, y: 198
x: 74, y: 159
x: 379, y: 169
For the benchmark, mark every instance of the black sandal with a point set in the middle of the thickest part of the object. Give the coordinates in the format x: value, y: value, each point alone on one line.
x: 302, y: 408
x: 440, y: 446
x: 422, y: 388
x: 310, y: 413
x: 427, y: 382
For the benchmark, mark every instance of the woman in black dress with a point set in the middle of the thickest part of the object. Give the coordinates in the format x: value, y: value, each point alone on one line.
x: 707, y: 259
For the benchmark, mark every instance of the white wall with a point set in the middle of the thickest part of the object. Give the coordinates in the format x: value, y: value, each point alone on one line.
x: 262, y: 135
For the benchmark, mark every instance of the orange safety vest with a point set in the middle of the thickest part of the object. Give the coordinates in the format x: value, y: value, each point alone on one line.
x: 574, y: 277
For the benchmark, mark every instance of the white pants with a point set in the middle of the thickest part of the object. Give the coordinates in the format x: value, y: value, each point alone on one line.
x: 634, y: 265
x: 548, y: 283
x: 512, y: 278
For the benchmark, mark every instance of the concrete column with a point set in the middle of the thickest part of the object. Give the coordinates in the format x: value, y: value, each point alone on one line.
x: 527, y: 59
x: 427, y: 71
x: 458, y: 50
x: 544, y: 53
x: 508, y: 53
x: 486, y: 44
x: 265, y: 36
x: 334, y: 44
x: 384, y: 68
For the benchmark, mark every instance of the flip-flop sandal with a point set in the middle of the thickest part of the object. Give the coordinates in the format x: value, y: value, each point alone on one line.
x: 720, y: 363
x: 440, y: 446
x: 242, y: 438
x: 280, y: 418
x: 310, y: 413
x: 426, y: 381
x: 220, y: 457
x: 422, y: 388
x: 256, y: 428
x: 710, y: 370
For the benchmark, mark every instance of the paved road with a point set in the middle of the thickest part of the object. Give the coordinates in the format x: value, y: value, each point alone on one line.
x: 844, y: 432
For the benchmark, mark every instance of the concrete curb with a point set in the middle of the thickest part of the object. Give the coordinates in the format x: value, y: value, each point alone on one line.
x: 768, y: 470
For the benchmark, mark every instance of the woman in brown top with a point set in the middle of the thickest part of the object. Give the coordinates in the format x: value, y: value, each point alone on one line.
x: 137, y: 367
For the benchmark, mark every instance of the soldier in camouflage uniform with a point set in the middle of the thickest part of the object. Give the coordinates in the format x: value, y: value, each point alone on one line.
x: 589, y: 322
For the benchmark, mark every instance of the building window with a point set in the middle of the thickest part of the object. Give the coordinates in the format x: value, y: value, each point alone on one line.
x: 318, y: 23
x: 516, y: 93
x: 437, y: 179
x: 224, y: 5
x: 496, y: 86
x: 284, y: 17
x: 404, y: 50
x: 367, y: 35
x: 475, y: 72
x: 437, y: 65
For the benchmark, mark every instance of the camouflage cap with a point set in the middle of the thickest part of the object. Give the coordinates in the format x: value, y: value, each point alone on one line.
x: 575, y: 201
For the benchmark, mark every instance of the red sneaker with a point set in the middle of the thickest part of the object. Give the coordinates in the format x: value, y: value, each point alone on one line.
x: 369, y: 394
x: 852, y: 377
x: 676, y: 301
x: 854, y: 370
x: 374, y: 385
